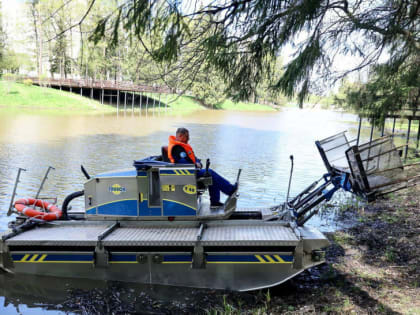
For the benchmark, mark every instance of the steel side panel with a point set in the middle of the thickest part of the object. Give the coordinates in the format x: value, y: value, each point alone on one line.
x: 126, y: 267
x: 179, y: 192
x: 117, y: 196
x: 222, y: 271
x: 312, y: 239
x: 57, y: 264
x: 242, y: 271
x: 90, y: 196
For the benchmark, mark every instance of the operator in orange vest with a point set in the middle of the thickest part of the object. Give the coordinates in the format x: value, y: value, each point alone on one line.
x: 179, y: 151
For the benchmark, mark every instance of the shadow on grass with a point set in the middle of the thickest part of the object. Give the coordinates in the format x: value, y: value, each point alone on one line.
x: 320, y: 289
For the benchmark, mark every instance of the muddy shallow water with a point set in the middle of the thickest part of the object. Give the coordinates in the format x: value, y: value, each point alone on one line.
x: 258, y: 143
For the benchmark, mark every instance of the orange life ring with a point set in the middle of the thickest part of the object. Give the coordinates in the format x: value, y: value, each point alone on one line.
x: 23, y: 206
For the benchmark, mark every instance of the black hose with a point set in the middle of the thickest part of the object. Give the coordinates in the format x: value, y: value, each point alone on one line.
x: 67, y: 200
x: 246, y: 215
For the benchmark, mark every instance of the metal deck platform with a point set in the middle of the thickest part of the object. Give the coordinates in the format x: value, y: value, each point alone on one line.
x: 217, y: 233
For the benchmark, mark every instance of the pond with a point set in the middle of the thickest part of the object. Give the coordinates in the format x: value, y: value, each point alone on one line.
x: 259, y: 143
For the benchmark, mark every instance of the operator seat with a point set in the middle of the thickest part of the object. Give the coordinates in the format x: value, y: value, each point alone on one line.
x: 164, y: 150
x: 202, y: 182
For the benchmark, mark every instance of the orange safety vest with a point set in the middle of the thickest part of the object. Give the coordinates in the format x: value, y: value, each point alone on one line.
x: 188, y: 149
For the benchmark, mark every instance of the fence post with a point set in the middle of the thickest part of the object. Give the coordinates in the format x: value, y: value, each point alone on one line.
x: 408, y: 139
x: 371, y: 130
x: 147, y: 104
x: 393, y: 126
x: 154, y: 101
x: 125, y: 100
x: 118, y: 100
x: 141, y: 96
x: 132, y: 101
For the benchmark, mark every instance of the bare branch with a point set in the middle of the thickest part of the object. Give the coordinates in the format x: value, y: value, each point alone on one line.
x: 74, y: 25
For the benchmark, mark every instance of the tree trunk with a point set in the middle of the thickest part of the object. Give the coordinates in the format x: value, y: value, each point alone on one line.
x: 38, y: 41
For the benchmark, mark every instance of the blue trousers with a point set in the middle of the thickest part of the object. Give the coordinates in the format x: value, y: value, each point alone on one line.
x: 220, y: 184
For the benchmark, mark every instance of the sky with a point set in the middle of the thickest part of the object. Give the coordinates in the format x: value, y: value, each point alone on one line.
x: 14, y: 20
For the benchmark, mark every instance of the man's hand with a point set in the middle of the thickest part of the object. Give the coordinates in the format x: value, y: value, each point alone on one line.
x: 198, y: 165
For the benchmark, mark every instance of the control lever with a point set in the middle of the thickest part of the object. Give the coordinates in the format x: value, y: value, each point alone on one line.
x: 207, y: 168
x: 237, y: 177
x: 43, y: 181
x: 84, y: 172
x: 10, y: 211
x: 290, y: 180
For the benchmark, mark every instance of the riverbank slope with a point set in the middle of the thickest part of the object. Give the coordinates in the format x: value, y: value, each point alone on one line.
x: 18, y: 96
x: 372, y: 267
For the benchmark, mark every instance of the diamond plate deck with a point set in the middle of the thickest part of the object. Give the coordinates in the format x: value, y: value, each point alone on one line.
x: 222, y: 234
x: 265, y: 234
x: 217, y: 233
x: 61, y: 234
x: 152, y: 236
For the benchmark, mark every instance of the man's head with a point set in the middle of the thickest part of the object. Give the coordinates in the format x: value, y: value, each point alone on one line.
x: 182, y: 135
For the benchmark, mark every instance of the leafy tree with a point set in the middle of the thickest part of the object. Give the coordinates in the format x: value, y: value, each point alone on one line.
x: 2, y: 41
x: 387, y: 91
x: 13, y: 62
x: 208, y: 87
x: 240, y: 38
x: 35, y: 19
x: 264, y: 91
x: 60, y: 60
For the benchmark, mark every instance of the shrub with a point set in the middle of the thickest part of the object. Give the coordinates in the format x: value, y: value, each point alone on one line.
x: 28, y: 82
x: 9, y: 77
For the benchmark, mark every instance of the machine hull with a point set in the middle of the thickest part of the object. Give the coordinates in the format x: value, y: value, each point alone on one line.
x: 232, y: 254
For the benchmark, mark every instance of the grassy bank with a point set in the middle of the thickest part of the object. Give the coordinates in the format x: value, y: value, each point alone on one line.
x: 244, y: 106
x: 172, y: 103
x: 17, y: 96
x: 186, y: 103
x: 371, y: 268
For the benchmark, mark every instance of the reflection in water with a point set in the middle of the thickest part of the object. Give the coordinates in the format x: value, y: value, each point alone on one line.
x: 259, y: 143
x: 64, y: 296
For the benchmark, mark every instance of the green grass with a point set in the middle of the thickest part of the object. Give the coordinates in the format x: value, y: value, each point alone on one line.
x: 401, y: 125
x: 175, y: 103
x: 21, y: 97
x: 17, y: 96
x: 243, y: 106
x: 184, y: 103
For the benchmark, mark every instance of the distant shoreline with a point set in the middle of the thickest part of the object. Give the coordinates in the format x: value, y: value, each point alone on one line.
x: 20, y: 96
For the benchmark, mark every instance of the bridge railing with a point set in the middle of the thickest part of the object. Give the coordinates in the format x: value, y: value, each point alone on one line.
x: 103, y: 84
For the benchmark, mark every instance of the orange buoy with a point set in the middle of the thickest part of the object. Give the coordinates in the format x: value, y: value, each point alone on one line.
x: 23, y: 206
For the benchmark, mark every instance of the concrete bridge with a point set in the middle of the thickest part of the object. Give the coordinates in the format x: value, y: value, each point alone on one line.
x: 119, y: 93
